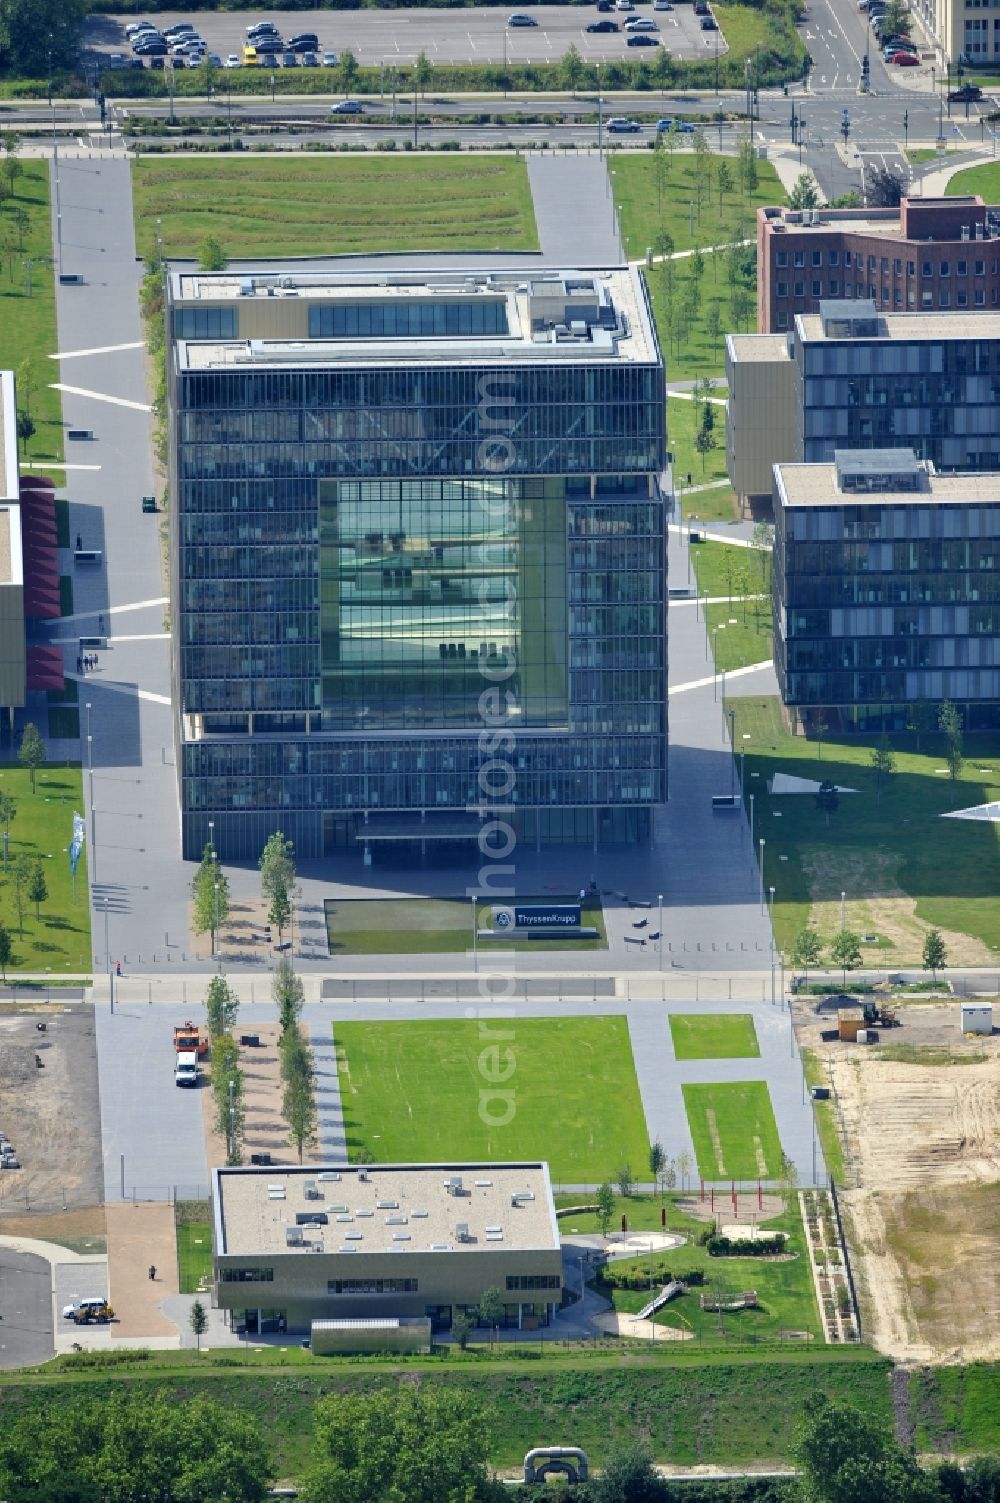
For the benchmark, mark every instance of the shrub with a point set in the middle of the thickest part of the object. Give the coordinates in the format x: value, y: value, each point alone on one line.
x: 759, y: 1247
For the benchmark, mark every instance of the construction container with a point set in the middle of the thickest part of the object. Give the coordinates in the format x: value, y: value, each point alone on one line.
x: 977, y: 1017
x: 849, y: 1021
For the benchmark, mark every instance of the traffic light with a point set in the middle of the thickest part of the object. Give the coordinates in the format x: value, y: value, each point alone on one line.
x: 102, y: 105
x: 794, y: 123
x: 865, y: 67
x: 845, y: 126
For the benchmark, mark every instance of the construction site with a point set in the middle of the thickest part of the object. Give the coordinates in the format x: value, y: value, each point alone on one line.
x: 919, y: 1116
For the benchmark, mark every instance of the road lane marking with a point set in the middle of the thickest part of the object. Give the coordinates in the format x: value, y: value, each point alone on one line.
x: 147, y: 694
x: 99, y: 396
x: 117, y: 610
x: 731, y: 673
x: 104, y: 349
x: 55, y: 464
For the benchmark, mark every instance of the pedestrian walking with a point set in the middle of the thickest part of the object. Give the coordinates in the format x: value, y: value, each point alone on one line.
x: 79, y: 663
x: 152, y: 1271
x: 118, y: 967
x: 79, y: 542
x: 100, y: 624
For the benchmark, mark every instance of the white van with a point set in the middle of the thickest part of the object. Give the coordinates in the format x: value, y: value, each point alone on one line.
x: 186, y: 1068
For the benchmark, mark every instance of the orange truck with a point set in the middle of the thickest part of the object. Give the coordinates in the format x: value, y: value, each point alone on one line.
x: 189, y: 1038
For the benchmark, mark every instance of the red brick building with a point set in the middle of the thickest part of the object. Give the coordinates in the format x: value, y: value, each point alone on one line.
x: 929, y: 254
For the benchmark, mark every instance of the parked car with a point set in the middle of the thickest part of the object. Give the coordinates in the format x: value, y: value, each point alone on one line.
x: 304, y: 36
x: 624, y: 5
x: 250, y: 58
x: 179, y: 29
x: 662, y: 5
x: 262, y: 28
x: 310, y: 60
x: 232, y: 61
x: 520, y: 19
x: 289, y: 59
x: 347, y: 107
x: 641, y: 23
x: 135, y: 26
x: 330, y: 59
x: 967, y: 94
x: 82, y: 1311
x: 605, y: 5
x: 643, y: 39
x: 620, y: 125
x: 117, y: 60
x: 155, y: 47
x: 269, y: 44
x: 708, y: 23
x: 701, y: 7
x: 602, y: 26
x: 905, y: 60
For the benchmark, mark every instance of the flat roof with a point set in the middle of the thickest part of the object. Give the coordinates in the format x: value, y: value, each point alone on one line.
x: 883, y: 224
x: 925, y: 327
x: 395, y: 1208
x: 530, y: 298
x: 750, y: 348
x: 9, y: 475
x: 816, y: 485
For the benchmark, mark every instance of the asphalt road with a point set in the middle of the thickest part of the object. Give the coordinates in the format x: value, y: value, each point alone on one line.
x: 466, y: 35
x: 25, y: 1309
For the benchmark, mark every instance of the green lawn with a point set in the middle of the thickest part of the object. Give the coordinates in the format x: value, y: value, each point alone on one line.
x: 561, y: 1090
x: 784, y: 1289
x: 984, y: 180
x: 724, y: 569
x: 59, y: 940
x: 697, y: 351
x: 825, y: 1113
x: 297, y: 205
x: 715, y: 505
x: 901, y: 867
x: 644, y: 215
x: 740, y: 634
x: 691, y: 1403
x: 194, y: 1255
x: 28, y: 324
x: 733, y: 1130
x: 714, y: 1036
x: 683, y: 426
x: 437, y: 926
x: 960, y: 1403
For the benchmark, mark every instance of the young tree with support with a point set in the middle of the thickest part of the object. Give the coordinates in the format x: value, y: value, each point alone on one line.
x: 935, y: 954
x: 31, y: 753
x: 806, y: 950
x: 845, y: 951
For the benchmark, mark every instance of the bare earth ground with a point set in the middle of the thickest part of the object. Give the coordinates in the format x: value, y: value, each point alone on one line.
x: 140, y: 1236
x: 924, y: 1218
x: 52, y: 1114
x: 265, y: 1131
x: 878, y: 905
x: 245, y: 936
x: 748, y: 1211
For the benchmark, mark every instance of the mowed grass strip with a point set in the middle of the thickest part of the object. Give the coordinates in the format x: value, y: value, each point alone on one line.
x: 438, y: 926
x: 59, y: 938
x: 564, y: 1090
x: 733, y: 1129
x: 730, y: 1035
x: 306, y: 206
x: 194, y: 1255
x: 28, y: 324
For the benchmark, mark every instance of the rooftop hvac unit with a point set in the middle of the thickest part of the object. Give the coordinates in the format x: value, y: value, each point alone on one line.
x: 455, y: 1185
x: 362, y: 1175
x: 309, y: 1190
x: 328, y: 1176
x: 462, y: 1231
x: 293, y: 1236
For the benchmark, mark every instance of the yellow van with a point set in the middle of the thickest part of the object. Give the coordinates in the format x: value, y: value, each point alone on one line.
x: 250, y: 58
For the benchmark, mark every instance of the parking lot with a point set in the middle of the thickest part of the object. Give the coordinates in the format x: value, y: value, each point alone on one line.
x: 459, y: 36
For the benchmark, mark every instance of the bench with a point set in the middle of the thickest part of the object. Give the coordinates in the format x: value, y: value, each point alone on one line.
x: 722, y: 801
x: 149, y: 503
x: 87, y: 555
x: 80, y: 433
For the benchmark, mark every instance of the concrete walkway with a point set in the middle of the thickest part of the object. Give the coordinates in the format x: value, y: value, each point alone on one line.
x: 574, y: 210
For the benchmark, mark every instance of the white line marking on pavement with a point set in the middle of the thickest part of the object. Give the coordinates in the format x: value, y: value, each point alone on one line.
x: 103, y: 349
x: 149, y: 636
x: 117, y: 610
x: 99, y: 396
x: 55, y: 464
x: 690, y: 396
x: 714, y: 537
x: 156, y: 699
x: 703, y: 683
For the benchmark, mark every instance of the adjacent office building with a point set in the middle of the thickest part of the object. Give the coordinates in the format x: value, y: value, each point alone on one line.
x: 861, y: 379
x: 417, y: 525
x: 927, y: 255
x: 293, y: 1246
x: 886, y: 588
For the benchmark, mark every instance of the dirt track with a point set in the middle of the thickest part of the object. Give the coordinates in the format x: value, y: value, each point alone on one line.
x: 924, y: 1144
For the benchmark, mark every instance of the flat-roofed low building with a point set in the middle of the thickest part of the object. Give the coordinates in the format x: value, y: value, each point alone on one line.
x: 886, y: 589
x: 762, y: 413
x: 13, y: 651
x: 295, y: 1245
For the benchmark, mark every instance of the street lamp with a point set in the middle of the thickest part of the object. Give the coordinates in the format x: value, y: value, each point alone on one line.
x: 843, y: 897
x: 659, y: 900
x: 600, y: 115
x: 215, y: 930
x: 732, y: 749
x: 751, y: 823
x: 107, y: 958
x: 761, y: 874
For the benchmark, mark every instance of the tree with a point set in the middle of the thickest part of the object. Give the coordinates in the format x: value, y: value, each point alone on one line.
x: 896, y: 22
x: 20, y: 875
x: 629, y: 1476
x: 133, y: 1446
x: 349, y: 70
x: 747, y: 164
x: 298, y: 1105
x: 713, y: 322
x: 279, y: 915
x: 605, y: 1206
x: 491, y: 1308
x: 423, y: 73
x: 25, y: 428
x: 807, y: 949
x: 724, y: 181
x: 884, y: 763
x: 661, y: 72
x: 221, y: 1007
x: 921, y: 719
x: 461, y: 1329
x: 210, y: 888
x: 805, y: 192
x: 787, y: 1173
x: 35, y: 34
x: 762, y: 543
x: 626, y: 1181
x: 22, y: 223
x: 827, y: 799
x: 704, y: 442
x: 6, y: 950
x: 411, y: 1443
x: 211, y: 256
x: 198, y: 1320
x: 288, y: 994
x: 227, y: 1093
x: 661, y: 167
x: 845, y: 951
x: 37, y: 890
x: 657, y: 1160
x: 846, y: 1456
x: 31, y: 754
x: 684, y: 1166
x: 950, y: 723
x: 668, y: 1179
x: 8, y: 812
x: 935, y: 956
x: 573, y: 69
x: 884, y: 188
x: 277, y: 869
x: 741, y: 306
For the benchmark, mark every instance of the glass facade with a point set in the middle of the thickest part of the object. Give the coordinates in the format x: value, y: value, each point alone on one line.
x: 882, y: 604
x: 938, y: 397
x: 362, y: 553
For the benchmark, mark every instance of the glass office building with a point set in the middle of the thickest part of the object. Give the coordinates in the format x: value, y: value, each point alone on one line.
x: 417, y: 526
x: 886, y: 589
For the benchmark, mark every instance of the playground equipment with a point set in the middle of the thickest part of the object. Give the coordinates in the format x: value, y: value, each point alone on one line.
x: 746, y: 1300
x: 667, y: 1293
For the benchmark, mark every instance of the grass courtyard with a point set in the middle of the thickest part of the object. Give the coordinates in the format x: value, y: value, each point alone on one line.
x: 733, y: 1130
x: 307, y: 206
x: 59, y: 938
x: 903, y: 868
x: 194, y: 1255
x: 438, y: 926
x: 564, y: 1090
x: 719, y: 1036
x: 28, y: 324
x: 689, y: 206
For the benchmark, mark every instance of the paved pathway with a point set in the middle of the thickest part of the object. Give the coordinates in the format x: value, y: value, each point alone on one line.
x: 574, y: 210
